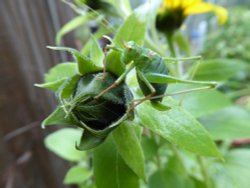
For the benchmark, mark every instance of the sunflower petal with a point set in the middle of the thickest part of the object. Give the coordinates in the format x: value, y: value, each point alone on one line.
x: 186, y: 3
x: 200, y: 8
x: 222, y: 14
x: 172, y: 3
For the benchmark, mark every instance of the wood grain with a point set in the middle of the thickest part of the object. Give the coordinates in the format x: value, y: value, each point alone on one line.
x: 26, y: 27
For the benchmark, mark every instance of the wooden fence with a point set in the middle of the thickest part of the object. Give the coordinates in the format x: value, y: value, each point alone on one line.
x: 26, y: 27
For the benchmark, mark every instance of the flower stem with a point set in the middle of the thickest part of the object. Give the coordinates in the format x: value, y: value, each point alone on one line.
x: 178, y: 156
x: 169, y: 37
x: 203, y: 172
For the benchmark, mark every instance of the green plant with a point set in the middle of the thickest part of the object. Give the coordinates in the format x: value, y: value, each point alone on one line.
x: 232, y: 44
x: 145, y: 147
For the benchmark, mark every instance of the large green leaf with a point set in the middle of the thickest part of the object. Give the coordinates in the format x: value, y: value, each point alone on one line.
x: 57, y: 74
x: 129, y: 147
x: 204, y: 102
x: 85, y: 64
x: 77, y: 174
x: 62, y: 143
x: 219, y: 69
x: 110, y: 171
x: 178, y: 127
x: 229, y: 123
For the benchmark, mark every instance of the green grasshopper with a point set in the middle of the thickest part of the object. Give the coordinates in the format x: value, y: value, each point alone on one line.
x: 151, y: 71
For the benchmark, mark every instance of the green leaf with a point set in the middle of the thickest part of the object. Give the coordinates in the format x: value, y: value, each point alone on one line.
x: 71, y: 25
x: 125, y: 4
x: 173, y: 175
x: 204, y: 102
x: 229, y: 123
x: 125, y: 34
x: 218, y: 69
x: 114, y: 64
x: 237, y: 165
x: 97, y: 35
x: 110, y: 171
x: 171, y: 179
x: 129, y: 147
x: 96, y: 53
x: 58, y: 117
x: 77, y: 175
x: 150, y: 147
x: 178, y: 127
x: 68, y: 87
x: 52, y: 85
x: 57, y: 75
x: 85, y: 65
x: 234, y: 172
x: 62, y: 143
x: 60, y: 71
x: 89, y: 141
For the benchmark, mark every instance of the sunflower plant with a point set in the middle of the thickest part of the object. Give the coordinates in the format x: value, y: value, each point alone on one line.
x: 113, y: 144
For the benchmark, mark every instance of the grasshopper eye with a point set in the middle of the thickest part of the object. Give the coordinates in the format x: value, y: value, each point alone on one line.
x: 127, y: 46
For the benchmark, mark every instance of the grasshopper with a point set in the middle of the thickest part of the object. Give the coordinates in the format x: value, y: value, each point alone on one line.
x: 151, y: 72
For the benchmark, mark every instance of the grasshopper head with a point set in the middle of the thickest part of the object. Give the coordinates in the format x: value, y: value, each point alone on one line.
x: 130, y: 52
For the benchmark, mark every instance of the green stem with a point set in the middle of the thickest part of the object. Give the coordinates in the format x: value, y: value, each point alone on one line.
x: 203, y: 171
x: 169, y: 37
x: 178, y: 156
x: 158, y: 157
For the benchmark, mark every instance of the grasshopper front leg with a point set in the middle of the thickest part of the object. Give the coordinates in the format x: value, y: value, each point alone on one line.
x: 150, y: 87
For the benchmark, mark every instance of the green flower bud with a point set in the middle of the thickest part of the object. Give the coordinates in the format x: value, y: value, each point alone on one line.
x: 98, y: 117
x: 169, y: 20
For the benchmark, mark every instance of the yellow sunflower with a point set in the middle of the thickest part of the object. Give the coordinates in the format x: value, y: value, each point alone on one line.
x: 172, y: 13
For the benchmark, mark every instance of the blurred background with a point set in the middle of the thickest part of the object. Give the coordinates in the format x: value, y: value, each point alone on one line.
x: 26, y: 27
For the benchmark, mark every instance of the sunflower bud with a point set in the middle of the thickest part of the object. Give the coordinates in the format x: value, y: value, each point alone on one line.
x: 98, y: 117
x: 99, y: 113
x: 169, y: 20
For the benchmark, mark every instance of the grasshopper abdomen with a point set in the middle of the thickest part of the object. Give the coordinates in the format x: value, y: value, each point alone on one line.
x: 155, y: 65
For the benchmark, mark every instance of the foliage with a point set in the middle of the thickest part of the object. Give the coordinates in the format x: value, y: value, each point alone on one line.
x: 232, y: 44
x: 180, y: 141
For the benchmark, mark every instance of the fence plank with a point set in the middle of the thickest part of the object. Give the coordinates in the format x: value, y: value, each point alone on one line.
x: 26, y: 27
